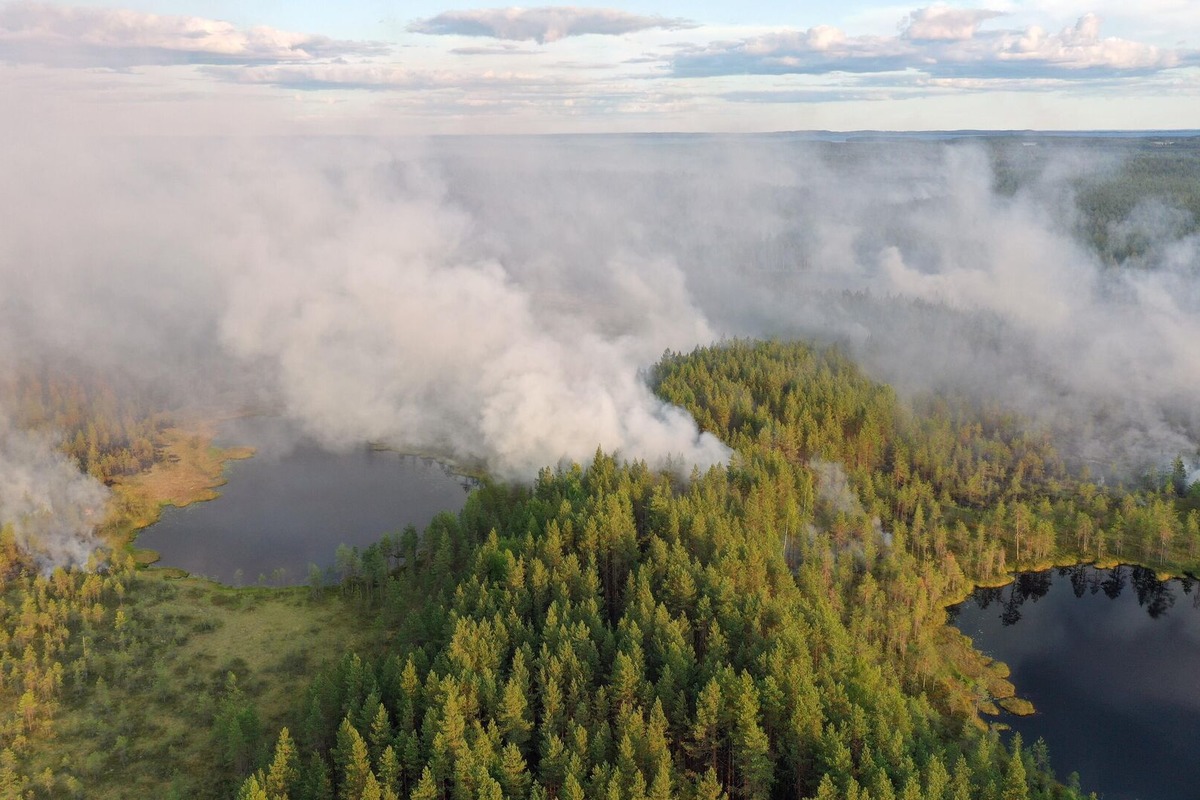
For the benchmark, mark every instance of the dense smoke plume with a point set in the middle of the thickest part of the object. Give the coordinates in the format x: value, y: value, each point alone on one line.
x: 497, y: 300
x: 51, y: 507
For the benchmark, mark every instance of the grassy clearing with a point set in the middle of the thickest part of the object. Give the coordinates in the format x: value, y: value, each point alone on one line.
x: 138, y: 724
x: 141, y: 689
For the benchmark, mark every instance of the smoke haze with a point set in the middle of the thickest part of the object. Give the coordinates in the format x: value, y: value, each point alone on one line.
x: 50, y: 505
x: 496, y: 300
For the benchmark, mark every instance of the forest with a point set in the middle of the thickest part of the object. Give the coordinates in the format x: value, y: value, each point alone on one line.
x: 1114, y: 197
x: 774, y: 627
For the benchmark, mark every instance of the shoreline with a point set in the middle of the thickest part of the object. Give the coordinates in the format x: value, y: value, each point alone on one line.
x: 1013, y: 703
x: 190, y: 470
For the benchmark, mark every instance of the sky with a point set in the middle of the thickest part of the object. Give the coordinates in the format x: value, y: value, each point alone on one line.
x: 367, y: 66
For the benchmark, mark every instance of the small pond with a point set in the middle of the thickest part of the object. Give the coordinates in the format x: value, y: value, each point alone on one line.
x: 293, y: 503
x: 1111, y: 661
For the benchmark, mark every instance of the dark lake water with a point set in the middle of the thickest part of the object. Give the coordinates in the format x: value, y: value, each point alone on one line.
x: 1111, y: 661
x: 293, y: 503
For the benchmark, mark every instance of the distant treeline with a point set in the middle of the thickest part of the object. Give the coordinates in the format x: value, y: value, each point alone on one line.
x: 109, y: 424
x: 1160, y: 171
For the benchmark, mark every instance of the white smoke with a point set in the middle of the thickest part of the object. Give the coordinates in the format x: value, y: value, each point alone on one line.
x: 336, y: 281
x: 833, y: 487
x: 51, y: 506
x: 497, y: 300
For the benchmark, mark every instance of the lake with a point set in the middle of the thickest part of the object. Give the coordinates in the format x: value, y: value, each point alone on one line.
x: 293, y: 503
x: 1111, y: 661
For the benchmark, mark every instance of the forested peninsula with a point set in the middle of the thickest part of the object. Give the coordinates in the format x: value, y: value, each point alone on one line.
x: 774, y: 627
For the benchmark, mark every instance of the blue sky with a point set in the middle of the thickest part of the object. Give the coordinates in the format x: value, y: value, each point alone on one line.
x: 169, y: 66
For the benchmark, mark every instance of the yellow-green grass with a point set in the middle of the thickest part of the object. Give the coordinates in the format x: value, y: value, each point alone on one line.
x: 149, y: 731
x: 189, y: 470
x: 973, y: 682
x: 1018, y: 706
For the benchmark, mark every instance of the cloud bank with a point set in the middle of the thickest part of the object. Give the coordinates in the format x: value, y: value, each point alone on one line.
x: 42, y: 33
x: 461, y: 69
x: 544, y: 24
x: 939, y: 42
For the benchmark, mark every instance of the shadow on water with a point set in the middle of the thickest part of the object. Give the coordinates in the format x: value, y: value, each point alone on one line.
x: 1111, y: 660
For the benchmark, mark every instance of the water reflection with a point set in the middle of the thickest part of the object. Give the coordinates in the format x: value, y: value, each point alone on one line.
x: 1155, y: 596
x: 1111, y: 661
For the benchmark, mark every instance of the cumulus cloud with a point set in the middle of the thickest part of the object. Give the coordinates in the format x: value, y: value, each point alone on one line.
x: 938, y: 42
x: 818, y: 50
x: 80, y: 36
x: 942, y: 23
x: 545, y: 24
x: 1077, y: 49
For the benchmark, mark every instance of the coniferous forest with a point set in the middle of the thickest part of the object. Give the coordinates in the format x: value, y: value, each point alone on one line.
x: 738, y: 419
x: 774, y: 627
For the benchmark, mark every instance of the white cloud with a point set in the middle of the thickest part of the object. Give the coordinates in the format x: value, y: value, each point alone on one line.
x: 1079, y: 47
x: 77, y: 36
x: 937, y: 42
x: 494, y: 50
x: 546, y: 24
x: 138, y: 72
x: 941, y: 23
x: 383, y: 76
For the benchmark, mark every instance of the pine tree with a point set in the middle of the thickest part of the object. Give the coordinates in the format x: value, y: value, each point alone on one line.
x: 12, y: 784
x: 380, y: 734
x: 705, y: 732
x: 371, y: 790
x: 513, y: 714
x: 252, y: 789
x: 937, y: 780
x: 709, y: 788
x: 961, y: 789
x: 283, y: 774
x: 314, y: 779
x: 751, y: 748
x: 571, y: 790
x: 826, y: 790
x: 352, y: 760
x: 660, y: 786
x: 514, y: 775
x: 1015, y: 785
x: 389, y: 770
x: 427, y: 788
